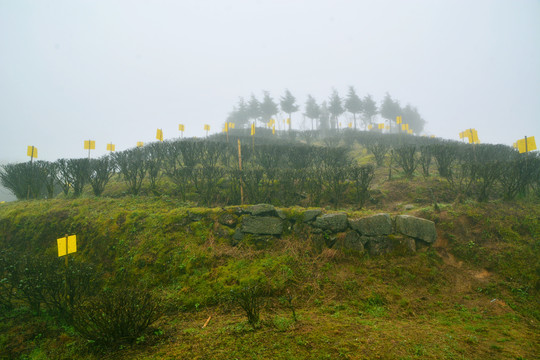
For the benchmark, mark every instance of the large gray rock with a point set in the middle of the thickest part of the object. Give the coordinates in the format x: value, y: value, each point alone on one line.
x: 262, y: 210
x: 351, y: 241
x: 227, y: 219
x: 262, y: 225
x: 331, y: 222
x: 381, y: 245
x: 237, y: 237
x: 376, y: 225
x: 417, y: 228
x: 310, y: 215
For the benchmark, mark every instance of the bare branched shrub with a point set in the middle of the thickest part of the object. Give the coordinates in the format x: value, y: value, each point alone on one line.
x: 378, y: 148
x: 26, y: 180
x: 445, y: 155
x: 362, y: 176
x: 251, y: 298
x: 406, y: 158
x: 133, y: 166
x: 116, y: 316
x: 101, y: 171
x: 425, y: 159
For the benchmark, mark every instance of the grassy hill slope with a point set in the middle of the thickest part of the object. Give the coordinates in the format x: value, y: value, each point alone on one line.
x: 474, y: 294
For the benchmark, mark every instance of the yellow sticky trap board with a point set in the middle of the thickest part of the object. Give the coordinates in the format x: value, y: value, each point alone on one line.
x: 159, y: 134
x: 206, y: 127
x: 288, y: 121
x: 370, y: 127
x: 110, y: 147
x: 252, y: 129
x: 381, y: 126
x: 89, y: 144
x: 409, y: 131
x: 471, y: 135
x: 349, y: 125
x: 403, y: 127
x: 71, y: 245
x: 523, y: 146
x: 226, y: 128
x: 475, y: 136
x: 181, y: 127
x: 273, y: 130
x: 461, y: 135
x: 398, y: 119
x: 231, y: 125
x: 31, y: 151
x: 140, y: 144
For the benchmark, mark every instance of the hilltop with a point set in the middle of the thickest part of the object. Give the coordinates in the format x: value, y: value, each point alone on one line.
x: 472, y: 294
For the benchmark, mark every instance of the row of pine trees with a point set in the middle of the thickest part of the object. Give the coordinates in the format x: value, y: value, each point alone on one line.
x: 327, y: 114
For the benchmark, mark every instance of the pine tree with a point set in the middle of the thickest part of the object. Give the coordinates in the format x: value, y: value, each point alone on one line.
x: 353, y: 104
x: 288, y: 105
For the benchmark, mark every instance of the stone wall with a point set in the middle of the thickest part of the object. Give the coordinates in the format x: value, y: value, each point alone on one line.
x: 377, y: 234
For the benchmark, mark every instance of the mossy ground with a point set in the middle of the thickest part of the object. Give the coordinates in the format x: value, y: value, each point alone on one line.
x: 472, y: 295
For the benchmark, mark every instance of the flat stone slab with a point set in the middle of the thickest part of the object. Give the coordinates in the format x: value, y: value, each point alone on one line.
x: 417, y: 228
x: 351, y: 241
x: 376, y: 225
x: 262, y: 210
x: 332, y: 222
x: 262, y: 225
x: 310, y: 215
x: 381, y: 245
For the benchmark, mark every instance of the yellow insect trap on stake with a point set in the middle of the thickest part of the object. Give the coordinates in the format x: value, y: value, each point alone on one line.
x: 110, y: 147
x: 159, y: 134
x: 67, y: 245
x: 181, y: 127
x: 89, y: 145
x: 525, y: 145
x: 381, y: 126
x: 32, y: 151
x: 472, y: 135
x: 140, y: 144
x: 398, y: 120
x: 252, y: 129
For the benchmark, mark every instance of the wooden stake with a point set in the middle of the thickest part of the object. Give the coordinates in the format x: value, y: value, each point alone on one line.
x: 31, y: 165
x: 207, y: 321
x: 240, y: 167
x: 66, y: 273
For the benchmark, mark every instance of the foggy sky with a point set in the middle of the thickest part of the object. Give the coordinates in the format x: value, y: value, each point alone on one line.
x: 116, y: 70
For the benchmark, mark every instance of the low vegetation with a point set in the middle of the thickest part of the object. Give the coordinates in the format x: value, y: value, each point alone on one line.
x: 157, y: 277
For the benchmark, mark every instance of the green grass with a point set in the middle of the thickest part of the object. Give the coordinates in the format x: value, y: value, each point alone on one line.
x: 473, y: 295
